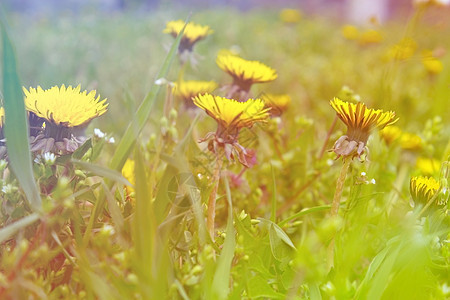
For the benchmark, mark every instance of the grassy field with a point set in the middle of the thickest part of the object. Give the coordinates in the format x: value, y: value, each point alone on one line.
x: 98, y: 230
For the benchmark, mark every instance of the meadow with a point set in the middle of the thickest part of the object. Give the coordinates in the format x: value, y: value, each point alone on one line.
x: 152, y: 198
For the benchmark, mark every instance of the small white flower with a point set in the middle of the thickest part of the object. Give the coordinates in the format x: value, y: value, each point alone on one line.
x: 9, y: 188
x: 49, y: 158
x: 108, y: 230
x: 111, y: 140
x: 330, y: 162
x: 363, y: 173
x: 373, y: 181
x: 98, y: 133
x: 161, y: 81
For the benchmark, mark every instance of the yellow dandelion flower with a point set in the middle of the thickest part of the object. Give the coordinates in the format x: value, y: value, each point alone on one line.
x: 192, y: 33
x: 390, y: 134
x: 245, y: 72
x: 432, y: 64
x: 428, y: 166
x: 230, y: 114
x: 277, y: 103
x: 2, y: 116
x: 290, y: 16
x: 423, y: 189
x: 350, y: 32
x: 66, y: 107
x: 360, y: 121
x: 370, y: 37
x: 404, y: 50
x: 188, y: 89
x: 410, y: 141
x: 128, y: 173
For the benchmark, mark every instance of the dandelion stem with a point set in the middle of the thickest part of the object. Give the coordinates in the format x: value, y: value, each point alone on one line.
x: 335, y: 206
x: 212, y: 197
x: 339, y: 187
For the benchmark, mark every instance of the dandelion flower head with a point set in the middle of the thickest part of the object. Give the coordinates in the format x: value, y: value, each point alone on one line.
x: 192, y: 33
x: 423, y: 188
x: 128, y: 173
x: 350, y: 32
x: 188, y: 89
x: 245, y: 72
x: 428, y: 166
x: 360, y: 121
x: 278, y: 103
x: 230, y: 114
x: 2, y: 116
x: 370, y: 37
x: 290, y: 15
x: 432, y: 64
x: 66, y: 107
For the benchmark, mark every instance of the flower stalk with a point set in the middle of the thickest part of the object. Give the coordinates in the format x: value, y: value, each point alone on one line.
x: 210, y: 222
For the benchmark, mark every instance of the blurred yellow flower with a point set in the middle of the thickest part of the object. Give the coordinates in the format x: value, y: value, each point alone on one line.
x: 432, y: 64
x: 128, y: 173
x: 423, y: 189
x: 245, y: 72
x: 369, y: 37
x: 289, y: 15
x: 2, y: 116
x: 404, y: 50
x: 277, y: 103
x: 230, y: 114
x: 192, y: 34
x: 360, y: 121
x: 431, y: 2
x: 410, y: 141
x: 66, y: 107
x: 188, y: 89
x: 428, y: 166
x: 390, y: 134
x: 350, y: 32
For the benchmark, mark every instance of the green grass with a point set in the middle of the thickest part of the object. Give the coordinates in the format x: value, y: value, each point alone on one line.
x: 92, y: 240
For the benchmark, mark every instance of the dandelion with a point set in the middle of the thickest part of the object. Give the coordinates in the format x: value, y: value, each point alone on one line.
x: 431, y: 64
x: 350, y: 32
x: 428, y: 166
x: 290, y: 16
x: 370, y: 37
x: 192, y: 33
x: 277, y: 103
x: 360, y: 121
x: 186, y: 90
x: 245, y: 73
x: 404, y: 50
x: 411, y: 141
x: 423, y: 189
x: 128, y: 173
x: 65, y: 112
x: 391, y: 134
x: 231, y: 116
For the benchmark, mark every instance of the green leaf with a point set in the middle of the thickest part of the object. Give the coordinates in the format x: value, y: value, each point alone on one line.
x: 258, y: 287
x: 220, y: 285
x: 102, y: 171
x: 304, y: 212
x: 16, y: 123
x: 11, y: 229
x: 143, y: 112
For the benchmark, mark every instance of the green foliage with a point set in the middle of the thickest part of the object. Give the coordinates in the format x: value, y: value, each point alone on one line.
x: 103, y: 234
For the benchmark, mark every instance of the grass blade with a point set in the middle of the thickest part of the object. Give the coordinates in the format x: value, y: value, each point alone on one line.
x: 220, y: 285
x: 16, y: 123
x: 8, y: 231
x: 143, y: 112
